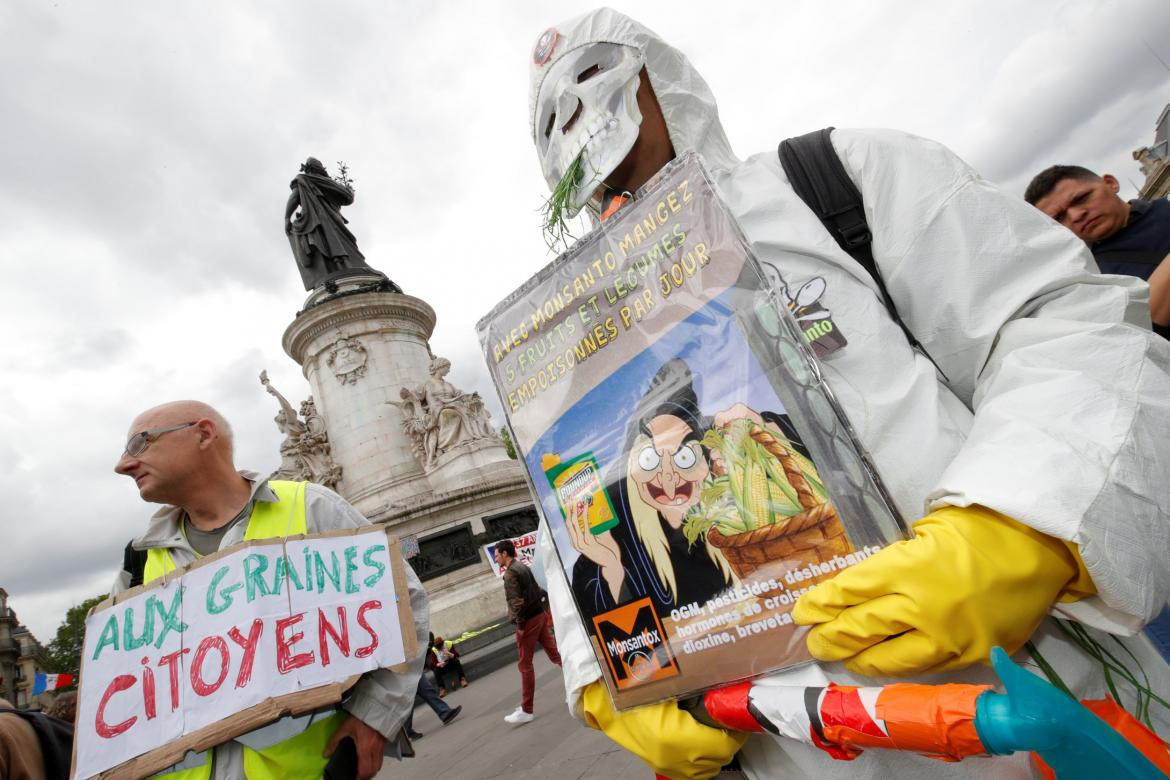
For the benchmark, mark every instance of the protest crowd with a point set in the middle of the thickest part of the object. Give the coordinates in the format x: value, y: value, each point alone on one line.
x: 1004, y: 364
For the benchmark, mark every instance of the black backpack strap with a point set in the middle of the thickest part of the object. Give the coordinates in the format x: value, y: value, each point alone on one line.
x: 134, y: 562
x: 819, y: 178
x: 816, y: 174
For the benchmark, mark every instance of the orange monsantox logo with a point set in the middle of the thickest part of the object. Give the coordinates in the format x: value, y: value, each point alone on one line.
x: 635, y: 644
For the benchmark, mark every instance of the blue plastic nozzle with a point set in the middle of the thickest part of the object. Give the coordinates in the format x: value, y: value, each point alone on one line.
x: 1035, y: 716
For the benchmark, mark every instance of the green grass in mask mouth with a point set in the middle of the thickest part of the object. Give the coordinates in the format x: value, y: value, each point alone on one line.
x: 555, y: 210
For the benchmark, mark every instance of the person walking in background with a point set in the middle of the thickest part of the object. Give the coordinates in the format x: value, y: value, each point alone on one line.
x: 426, y: 692
x: 528, y: 611
x: 64, y: 707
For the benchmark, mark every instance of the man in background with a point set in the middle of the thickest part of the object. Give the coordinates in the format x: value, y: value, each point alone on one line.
x: 1129, y: 238
x: 528, y: 611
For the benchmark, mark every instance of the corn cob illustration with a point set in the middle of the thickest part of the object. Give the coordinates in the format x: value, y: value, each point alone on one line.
x: 759, y: 481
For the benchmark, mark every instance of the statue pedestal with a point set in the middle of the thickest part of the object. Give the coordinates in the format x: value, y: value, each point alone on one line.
x: 357, y: 349
x: 359, y: 346
x: 474, y: 462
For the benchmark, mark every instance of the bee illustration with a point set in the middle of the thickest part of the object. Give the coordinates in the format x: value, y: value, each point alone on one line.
x: 810, y: 314
x: 805, y: 305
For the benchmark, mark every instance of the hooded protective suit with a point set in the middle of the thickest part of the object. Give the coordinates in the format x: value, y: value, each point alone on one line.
x: 1055, y: 406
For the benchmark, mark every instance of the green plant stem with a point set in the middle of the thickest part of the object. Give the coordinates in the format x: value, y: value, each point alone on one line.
x: 555, y: 223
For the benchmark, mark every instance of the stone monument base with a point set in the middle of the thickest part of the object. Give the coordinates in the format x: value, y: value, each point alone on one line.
x: 473, y: 463
x: 491, y: 501
x: 365, y: 350
x: 465, y: 599
x: 406, y: 447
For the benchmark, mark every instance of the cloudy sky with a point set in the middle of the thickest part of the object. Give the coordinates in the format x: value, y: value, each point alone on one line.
x: 148, y: 149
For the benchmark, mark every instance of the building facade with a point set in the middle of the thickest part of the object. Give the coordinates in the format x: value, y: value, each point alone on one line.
x: 21, y: 657
x: 1154, y: 160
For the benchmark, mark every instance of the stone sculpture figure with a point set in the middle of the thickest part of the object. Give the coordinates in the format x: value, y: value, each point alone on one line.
x: 322, y: 244
x: 414, y: 425
x: 305, y: 453
x: 451, y: 413
x: 314, y: 425
x: 438, y: 417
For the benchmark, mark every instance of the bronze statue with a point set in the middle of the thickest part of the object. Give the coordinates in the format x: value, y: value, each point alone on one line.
x: 322, y: 244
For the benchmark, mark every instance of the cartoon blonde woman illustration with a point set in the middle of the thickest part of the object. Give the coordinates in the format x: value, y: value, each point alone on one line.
x: 665, y: 465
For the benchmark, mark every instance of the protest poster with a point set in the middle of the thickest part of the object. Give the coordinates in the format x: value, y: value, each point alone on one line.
x: 232, y: 642
x: 693, y: 468
x: 525, y: 552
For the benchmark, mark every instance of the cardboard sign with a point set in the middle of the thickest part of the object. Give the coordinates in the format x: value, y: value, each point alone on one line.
x: 525, y: 551
x: 232, y: 642
x: 692, y: 466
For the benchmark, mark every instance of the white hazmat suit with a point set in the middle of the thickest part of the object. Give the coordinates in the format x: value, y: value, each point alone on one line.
x: 1056, y: 403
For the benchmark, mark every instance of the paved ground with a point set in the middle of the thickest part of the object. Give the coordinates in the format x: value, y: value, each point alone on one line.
x: 479, y: 745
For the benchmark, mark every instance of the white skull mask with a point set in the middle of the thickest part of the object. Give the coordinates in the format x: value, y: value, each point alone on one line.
x: 588, y: 101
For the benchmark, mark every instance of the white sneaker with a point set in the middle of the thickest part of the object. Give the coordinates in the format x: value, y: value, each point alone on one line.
x: 519, y: 717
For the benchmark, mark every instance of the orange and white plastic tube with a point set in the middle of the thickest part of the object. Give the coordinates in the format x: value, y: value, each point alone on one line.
x: 933, y: 720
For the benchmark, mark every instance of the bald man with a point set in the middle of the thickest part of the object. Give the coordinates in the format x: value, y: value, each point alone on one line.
x: 179, y: 455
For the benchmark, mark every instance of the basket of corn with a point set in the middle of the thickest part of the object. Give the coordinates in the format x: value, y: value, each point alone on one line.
x: 764, y: 502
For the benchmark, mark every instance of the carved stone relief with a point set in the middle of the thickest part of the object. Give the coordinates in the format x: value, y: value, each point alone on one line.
x: 305, y: 453
x: 347, y: 360
x: 505, y: 526
x: 444, y: 552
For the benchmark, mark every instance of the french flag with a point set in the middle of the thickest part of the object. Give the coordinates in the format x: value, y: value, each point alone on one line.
x: 51, y: 682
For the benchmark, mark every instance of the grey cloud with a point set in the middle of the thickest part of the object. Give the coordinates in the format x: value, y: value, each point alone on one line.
x: 9, y: 457
x: 1054, y: 86
x: 95, y: 349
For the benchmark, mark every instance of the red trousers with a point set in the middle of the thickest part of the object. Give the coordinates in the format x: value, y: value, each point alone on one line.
x: 537, y: 629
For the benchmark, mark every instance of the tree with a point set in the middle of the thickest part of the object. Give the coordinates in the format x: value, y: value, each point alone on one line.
x: 64, y: 652
x: 508, y: 445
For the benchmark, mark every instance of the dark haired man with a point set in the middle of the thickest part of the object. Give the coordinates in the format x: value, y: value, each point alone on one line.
x: 1130, y: 238
x: 528, y: 611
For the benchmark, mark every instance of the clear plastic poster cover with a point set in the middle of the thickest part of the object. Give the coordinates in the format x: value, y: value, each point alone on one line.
x: 694, y: 469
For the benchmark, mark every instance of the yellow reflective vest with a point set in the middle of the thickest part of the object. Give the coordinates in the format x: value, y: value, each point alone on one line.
x: 281, y: 754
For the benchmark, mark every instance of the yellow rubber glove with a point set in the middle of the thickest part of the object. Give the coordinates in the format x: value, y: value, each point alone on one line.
x: 670, y: 740
x: 970, y: 579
